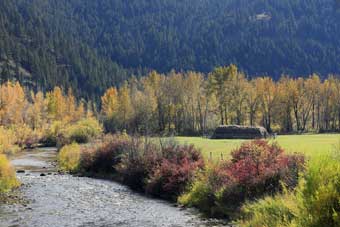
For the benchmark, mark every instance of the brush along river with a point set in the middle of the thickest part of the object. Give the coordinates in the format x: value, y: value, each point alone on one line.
x: 49, y: 199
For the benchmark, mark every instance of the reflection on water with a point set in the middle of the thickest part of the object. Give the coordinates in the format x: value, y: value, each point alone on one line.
x: 64, y: 200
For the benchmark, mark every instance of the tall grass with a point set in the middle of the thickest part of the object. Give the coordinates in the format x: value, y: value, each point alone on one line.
x: 276, y: 211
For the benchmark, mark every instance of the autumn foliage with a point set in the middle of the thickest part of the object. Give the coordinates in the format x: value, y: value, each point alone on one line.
x: 262, y: 164
x: 144, y: 165
x: 191, y: 103
x: 69, y: 157
x: 176, y: 169
x: 103, y: 158
x: 256, y: 169
x: 314, y: 202
x: 30, y: 118
x: 8, y: 180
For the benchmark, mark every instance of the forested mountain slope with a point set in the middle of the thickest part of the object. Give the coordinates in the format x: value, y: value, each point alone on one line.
x: 87, y: 43
x: 42, y: 54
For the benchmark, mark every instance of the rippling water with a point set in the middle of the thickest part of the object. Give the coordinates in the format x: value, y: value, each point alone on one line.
x: 64, y: 200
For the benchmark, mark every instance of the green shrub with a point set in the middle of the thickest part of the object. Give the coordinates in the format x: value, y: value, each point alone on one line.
x: 203, y: 191
x: 318, y: 194
x: 53, y: 132
x: 62, y: 133
x: 69, y: 157
x: 83, y: 130
x: 8, y: 179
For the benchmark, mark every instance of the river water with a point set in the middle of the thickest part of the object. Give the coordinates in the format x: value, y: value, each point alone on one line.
x: 51, y: 199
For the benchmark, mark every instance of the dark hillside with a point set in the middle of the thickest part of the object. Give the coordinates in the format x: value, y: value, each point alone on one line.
x: 87, y: 43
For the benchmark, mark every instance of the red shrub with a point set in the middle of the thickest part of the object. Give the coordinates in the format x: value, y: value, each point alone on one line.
x: 144, y: 166
x: 258, y: 168
x: 104, y: 158
x: 138, y: 162
x: 175, y: 171
x: 255, y: 161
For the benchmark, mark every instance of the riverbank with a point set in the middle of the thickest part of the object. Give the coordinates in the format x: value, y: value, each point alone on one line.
x: 54, y: 199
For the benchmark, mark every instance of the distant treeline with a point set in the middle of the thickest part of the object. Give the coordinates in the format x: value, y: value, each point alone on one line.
x: 190, y: 103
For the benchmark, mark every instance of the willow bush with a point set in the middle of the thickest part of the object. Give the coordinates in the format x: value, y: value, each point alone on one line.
x: 69, y: 157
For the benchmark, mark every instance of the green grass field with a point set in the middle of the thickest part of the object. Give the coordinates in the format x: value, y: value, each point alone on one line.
x: 309, y: 144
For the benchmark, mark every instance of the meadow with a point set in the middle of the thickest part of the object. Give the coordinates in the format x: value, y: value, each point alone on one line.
x: 309, y: 144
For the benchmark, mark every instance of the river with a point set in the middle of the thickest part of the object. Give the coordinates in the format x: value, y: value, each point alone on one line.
x: 50, y: 199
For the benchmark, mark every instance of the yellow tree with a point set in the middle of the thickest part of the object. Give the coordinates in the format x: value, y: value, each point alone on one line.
x: 336, y: 98
x: 12, y: 103
x: 267, y: 91
x: 57, y: 105
x: 304, y: 105
x: 144, y: 103
x: 238, y: 96
x: 326, y: 104
x: 37, y: 111
x: 175, y: 102
x: 125, y: 110
x: 71, y: 104
x: 331, y: 102
x: 109, y: 102
x: 313, y: 86
x: 158, y: 83
x: 284, y: 89
x: 219, y: 84
x: 252, y: 101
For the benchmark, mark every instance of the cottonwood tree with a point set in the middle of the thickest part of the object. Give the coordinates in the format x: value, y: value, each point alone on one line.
x: 109, y: 102
x: 252, y: 101
x: 268, y: 96
x: 191, y: 103
x: 12, y: 103
x: 125, y: 109
x: 221, y: 88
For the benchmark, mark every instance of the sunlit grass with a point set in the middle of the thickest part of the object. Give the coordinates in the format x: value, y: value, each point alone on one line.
x: 309, y: 144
